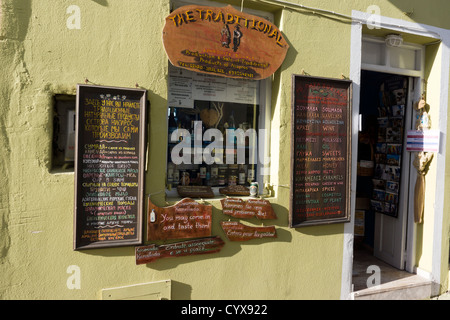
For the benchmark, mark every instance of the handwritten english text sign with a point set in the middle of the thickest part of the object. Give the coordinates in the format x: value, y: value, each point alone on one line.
x: 186, y: 219
x: 236, y: 231
x: 238, y: 208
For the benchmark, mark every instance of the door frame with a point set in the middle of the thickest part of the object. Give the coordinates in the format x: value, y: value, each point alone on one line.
x: 365, y: 18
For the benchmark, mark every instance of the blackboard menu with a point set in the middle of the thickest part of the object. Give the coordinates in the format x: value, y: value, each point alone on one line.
x: 109, y: 166
x: 320, y: 151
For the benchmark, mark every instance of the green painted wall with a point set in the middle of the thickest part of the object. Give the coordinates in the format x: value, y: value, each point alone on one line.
x: 119, y: 44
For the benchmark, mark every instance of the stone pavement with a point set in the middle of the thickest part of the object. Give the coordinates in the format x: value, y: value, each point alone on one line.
x: 445, y: 296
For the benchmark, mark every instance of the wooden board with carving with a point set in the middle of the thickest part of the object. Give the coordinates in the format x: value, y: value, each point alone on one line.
x: 186, y: 219
x: 195, y: 192
x: 237, y: 190
x: 238, y: 208
x: 236, y: 231
x: 151, y: 253
x: 224, y: 42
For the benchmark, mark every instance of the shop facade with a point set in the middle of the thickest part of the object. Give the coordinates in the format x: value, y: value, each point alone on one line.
x: 332, y: 122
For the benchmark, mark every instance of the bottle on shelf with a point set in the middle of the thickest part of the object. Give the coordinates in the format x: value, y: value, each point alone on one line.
x: 214, y: 174
x: 223, y: 175
x: 232, y: 174
x: 241, y: 180
x: 202, y: 173
x: 176, y: 176
x: 208, y: 181
x: 172, y: 123
x: 231, y: 126
x: 251, y: 174
x: 170, y: 169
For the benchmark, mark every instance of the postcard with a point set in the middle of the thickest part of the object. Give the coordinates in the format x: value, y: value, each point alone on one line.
x: 392, y: 186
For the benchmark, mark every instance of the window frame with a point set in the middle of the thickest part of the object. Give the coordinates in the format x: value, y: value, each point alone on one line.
x: 264, y: 117
x: 263, y: 140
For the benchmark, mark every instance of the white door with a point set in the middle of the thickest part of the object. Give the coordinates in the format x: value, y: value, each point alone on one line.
x: 390, y: 232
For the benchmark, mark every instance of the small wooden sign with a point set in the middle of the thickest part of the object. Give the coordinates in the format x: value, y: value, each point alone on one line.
x: 235, y: 191
x: 151, y: 253
x: 224, y: 42
x: 236, y: 231
x: 195, y: 192
x: 186, y: 219
x: 238, y: 208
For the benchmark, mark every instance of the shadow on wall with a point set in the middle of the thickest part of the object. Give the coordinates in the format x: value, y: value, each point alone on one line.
x: 181, y: 291
x: 15, y: 19
x: 101, y: 2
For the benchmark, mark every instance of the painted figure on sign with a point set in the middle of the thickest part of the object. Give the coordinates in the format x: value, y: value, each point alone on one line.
x: 237, y: 35
x: 225, y: 36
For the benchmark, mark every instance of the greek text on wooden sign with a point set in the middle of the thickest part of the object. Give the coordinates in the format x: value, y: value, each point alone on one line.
x: 151, y: 253
x: 109, y: 166
x: 186, y: 219
x: 320, y: 151
x: 224, y: 42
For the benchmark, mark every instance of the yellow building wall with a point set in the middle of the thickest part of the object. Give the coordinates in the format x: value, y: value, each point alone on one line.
x: 119, y: 44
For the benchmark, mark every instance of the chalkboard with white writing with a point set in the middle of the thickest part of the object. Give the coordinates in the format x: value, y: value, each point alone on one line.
x: 109, y: 166
x: 320, y: 151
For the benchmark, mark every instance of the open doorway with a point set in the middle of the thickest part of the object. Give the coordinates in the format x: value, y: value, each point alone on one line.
x: 382, y: 177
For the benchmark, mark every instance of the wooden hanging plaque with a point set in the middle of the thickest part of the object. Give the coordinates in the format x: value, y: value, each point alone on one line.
x: 224, y: 42
x: 235, y: 191
x: 236, y: 231
x: 195, y: 192
x: 238, y: 208
x: 186, y: 219
x: 151, y: 253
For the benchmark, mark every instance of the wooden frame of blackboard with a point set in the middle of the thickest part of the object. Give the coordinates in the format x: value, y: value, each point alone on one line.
x: 137, y: 96
x: 347, y: 84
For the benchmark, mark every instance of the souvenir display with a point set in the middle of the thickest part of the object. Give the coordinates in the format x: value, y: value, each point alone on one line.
x: 389, y: 147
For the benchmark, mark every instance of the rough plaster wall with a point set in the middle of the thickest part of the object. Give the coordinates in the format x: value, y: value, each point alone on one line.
x: 40, y: 57
x: 14, y: 77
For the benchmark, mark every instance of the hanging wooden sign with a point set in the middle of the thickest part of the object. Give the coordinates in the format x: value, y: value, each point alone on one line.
x: 151, y: 253
x: 195, y: 192
x: 223, y: 41
x: 237, y: 190
x: 186, y: 219
x: 236, y: 231
x: 238, y: 208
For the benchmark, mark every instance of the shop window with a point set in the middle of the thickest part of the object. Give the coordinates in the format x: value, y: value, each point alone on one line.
x: 63, y: 143
x: 213, y: 129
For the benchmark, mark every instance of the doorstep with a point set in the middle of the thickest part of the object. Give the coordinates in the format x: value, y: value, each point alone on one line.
x: 413, y: 287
